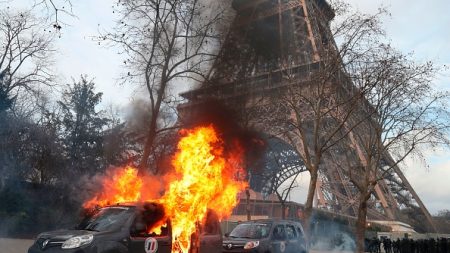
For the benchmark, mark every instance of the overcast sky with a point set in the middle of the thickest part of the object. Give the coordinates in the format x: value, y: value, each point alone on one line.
x: 422, y: 27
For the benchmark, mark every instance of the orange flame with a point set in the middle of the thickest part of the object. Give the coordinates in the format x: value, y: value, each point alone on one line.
x: 208, y: 181
x: 122, y: 185
x: 157, y: 227
x: 206, y: 177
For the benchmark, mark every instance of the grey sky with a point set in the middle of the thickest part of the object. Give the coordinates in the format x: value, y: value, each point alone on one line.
x: 422, y: 27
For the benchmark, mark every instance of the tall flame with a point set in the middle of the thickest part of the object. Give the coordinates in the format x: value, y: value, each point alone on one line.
x: 206, y: 177
x: 208, y: 181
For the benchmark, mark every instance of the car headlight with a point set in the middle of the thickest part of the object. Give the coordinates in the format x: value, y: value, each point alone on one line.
x: 77, y: 241
x: 251, y: 245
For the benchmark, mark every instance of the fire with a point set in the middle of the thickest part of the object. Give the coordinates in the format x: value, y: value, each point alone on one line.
x: 157, y: 228
x: 207, y: 181
x: 122, y: 185
x: 206, y: 176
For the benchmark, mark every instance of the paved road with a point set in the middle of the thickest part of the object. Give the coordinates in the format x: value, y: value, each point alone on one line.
x: 14, y: 245
x: 318, y: 251
x: 22, y: 245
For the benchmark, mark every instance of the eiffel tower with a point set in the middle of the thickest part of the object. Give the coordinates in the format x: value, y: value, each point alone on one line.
x: 273, y: 46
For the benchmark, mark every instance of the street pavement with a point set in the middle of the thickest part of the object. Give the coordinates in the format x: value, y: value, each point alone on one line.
x: 320, y: 251
x: 14, y: 245
x: 21, y: 246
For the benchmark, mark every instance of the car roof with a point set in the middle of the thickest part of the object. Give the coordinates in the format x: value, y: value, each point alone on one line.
x: 272, y: 220
x: 131, y: 204
x: 122, y: 204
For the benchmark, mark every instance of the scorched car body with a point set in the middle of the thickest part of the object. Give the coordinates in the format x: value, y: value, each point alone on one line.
x: 121, y: 229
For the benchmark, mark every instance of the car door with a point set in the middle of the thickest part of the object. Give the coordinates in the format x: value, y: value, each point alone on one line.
x: 211, y: 235
x: 278, y: 239
x: 301, y: 237
x: 211, y: 243
x: 141, y: 241
x: 292, y: 239
x: 150, y: 244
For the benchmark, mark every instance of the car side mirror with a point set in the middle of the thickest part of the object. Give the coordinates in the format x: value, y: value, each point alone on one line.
x: 227, y: 234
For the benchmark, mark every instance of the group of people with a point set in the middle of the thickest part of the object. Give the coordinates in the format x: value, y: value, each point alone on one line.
x: 405, y: 245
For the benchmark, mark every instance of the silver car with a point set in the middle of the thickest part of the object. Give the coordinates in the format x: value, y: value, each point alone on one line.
x: 266, y: 236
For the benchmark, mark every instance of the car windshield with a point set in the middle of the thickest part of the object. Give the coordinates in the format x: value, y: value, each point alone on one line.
x: 251, y: 230
x: 106, y: 219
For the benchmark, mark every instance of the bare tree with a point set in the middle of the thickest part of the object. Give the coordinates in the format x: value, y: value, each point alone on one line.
x: 25, y: 60
x: 320, y: 104
x: 399, y: 114
x: 442, y: 219
x: 284, y: 192
x: 25, y: 54
x: 54, y: 9
x: 277, y: 159
x: 164, y: 42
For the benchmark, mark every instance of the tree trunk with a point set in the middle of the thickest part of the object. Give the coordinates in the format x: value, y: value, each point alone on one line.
x: 247, y: 194
x: 148, y: 146
x: 309, y: 203
x: 361, y: 222
x: 156, y: 106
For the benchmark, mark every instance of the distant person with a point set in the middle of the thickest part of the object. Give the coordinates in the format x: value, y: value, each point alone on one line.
x: 396, y: 246
x: 432, y: 246
x: 377, y: 245
x: 412, y: 246
x: 374, y: 245
x: 387, y: 245
x: 444, y: 245
x: 367, y: 244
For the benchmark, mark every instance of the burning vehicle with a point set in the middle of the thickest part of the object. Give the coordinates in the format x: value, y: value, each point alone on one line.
x: 262, y: 236
x: 202, y: 189
x: 128, y: 227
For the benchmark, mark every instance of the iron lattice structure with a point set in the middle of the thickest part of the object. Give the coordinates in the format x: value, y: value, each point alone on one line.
x: 274, y: 47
